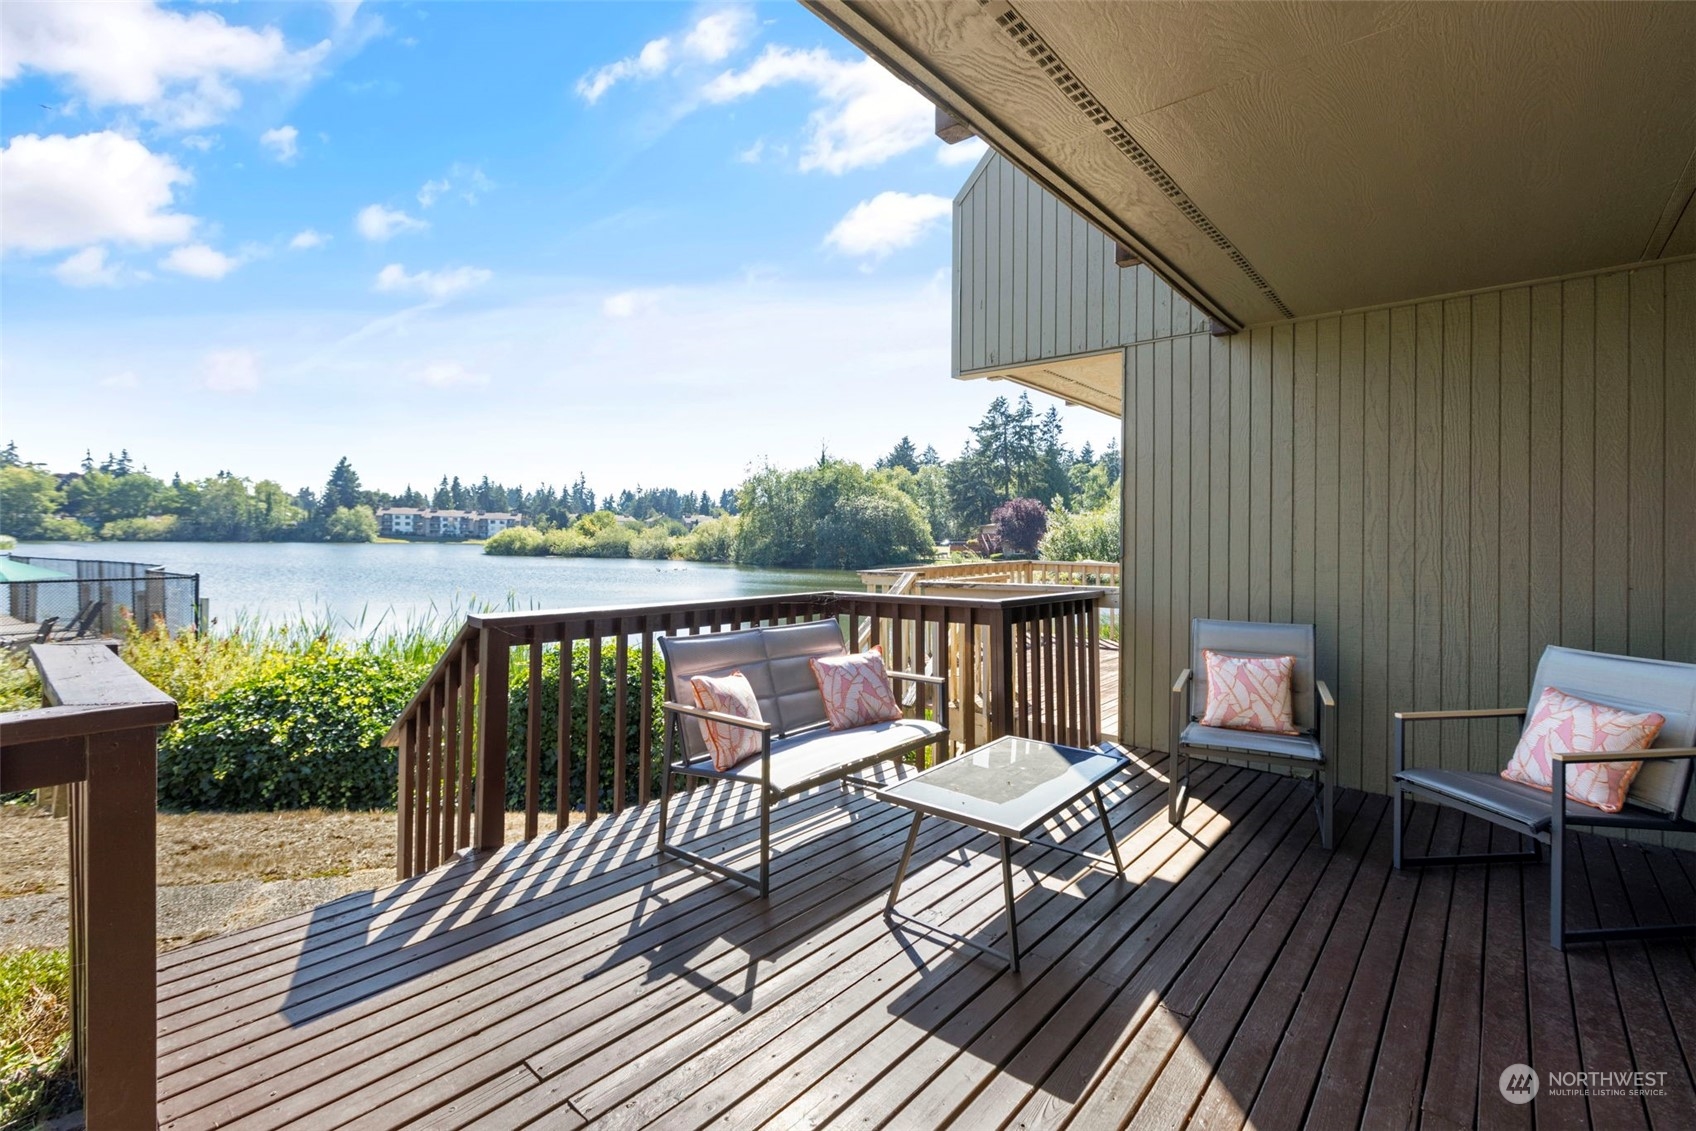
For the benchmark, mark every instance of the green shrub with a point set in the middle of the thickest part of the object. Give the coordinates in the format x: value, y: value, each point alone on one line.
x: 1089, y: 537
x: 611, y: 542
x: 305, y: 731
x: 711, y: 541
x: 58, y: 528
x: 518, y: 708
x: 567, y: 543
x: 158, y: 528
x: 20, y: 687
x: 516, y: 541
x: 653, y: 543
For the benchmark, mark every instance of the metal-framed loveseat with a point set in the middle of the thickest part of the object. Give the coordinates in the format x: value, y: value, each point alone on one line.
x: 798, y: 750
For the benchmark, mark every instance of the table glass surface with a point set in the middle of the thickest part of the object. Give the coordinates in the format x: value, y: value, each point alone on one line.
x: 1011, y: 785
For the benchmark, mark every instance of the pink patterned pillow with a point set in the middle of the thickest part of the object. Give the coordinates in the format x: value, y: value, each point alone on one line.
x: 1249, y: 692
x: 856, y: 689
x: 728, y: 695
x: 1566, y: 724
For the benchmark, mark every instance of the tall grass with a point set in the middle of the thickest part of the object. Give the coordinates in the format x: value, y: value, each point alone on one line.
x: 36, y: 1082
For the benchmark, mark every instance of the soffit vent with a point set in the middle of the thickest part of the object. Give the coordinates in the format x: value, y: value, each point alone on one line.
x: 1028, y: 40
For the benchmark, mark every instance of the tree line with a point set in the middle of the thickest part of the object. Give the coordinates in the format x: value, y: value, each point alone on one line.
x: 833, y: 514
x: 1015, y: 472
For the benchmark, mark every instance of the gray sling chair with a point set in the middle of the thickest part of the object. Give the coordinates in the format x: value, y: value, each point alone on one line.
x: 1313, y: 708
x: 798, y: 750
x: 1655, y: 801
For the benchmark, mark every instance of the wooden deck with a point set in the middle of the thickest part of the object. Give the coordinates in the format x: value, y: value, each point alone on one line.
x: 1245, y: 976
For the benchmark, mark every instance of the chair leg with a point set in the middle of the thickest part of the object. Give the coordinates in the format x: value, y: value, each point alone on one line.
x: 1177, y: 788
x: 1557, y: 858
x: 1396, y: 826
x: 1326, y: 828
x: 765, y: 842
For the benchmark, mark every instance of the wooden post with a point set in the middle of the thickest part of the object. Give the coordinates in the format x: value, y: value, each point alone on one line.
x: 112, y: 828
x: 495, y: 660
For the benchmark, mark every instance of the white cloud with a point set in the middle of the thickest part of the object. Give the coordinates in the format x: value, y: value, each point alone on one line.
x: 199, y: 261
x: 887, y: 222
x: 59, y: 192
x: 961, y: 153
x: 307, y: 239
x: 203, y: 143
x: 377, y: 223
x: 717, y: 35
x: 230, y: 371
x: 711, y: 39
x: 448, y: 374
x: 283, y: 142
x: 628, y: 304
x: 87, y: 268
x: 752, y: 155
x: 866, y: 116
x: 124, y: 380
x: 437, y: 285
x: 177, y: 68
x: 469, y: 180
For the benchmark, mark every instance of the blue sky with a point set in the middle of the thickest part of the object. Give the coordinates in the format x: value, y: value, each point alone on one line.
x: 652, y: 242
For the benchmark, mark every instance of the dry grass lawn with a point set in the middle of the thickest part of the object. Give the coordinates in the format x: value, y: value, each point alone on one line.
x: 204, y: 848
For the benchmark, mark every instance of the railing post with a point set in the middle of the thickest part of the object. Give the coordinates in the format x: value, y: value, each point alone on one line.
x: 1000, y: 705
x: 494, y: 662
x: 113, y: 949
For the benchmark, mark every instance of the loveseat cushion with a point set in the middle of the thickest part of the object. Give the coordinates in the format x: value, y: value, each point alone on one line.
x: 822, y: 755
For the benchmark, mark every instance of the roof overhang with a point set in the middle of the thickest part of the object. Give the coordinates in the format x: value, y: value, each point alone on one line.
x: 1094, y: 380
x: 1272, y: 160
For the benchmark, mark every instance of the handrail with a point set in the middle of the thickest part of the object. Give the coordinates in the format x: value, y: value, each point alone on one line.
x: 1016, y: 664
x: 98, y: 735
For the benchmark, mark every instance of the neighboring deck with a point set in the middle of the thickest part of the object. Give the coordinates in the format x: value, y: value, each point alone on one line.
x: 1245, y: 974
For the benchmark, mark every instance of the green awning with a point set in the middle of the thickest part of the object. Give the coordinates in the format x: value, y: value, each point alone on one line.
x: 11, y: 571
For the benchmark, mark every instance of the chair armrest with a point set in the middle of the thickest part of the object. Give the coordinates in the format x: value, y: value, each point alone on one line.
x: 1625, y: 755
x: 1326, y: 699
x: 917, y: 677
x: 1183, y: 681
x: 717, y: 716
x: 1482, y: 713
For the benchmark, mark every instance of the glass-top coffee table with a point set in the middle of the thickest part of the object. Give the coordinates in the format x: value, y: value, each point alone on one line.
x: 1008, y: 788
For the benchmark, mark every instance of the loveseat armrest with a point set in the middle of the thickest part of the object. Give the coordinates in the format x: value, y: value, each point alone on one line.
x: 718, y: 717
x: 919, y: 677
x: 1580, y: 756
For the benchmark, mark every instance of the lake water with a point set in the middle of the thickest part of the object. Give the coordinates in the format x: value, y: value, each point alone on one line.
x: 363, y: 587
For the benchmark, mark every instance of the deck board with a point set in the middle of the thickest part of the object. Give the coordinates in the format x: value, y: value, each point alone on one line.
x: 1242, y: 975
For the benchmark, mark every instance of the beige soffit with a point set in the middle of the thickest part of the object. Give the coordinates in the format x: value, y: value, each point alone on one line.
x: 1092, y: 380
x: 1272, y: 159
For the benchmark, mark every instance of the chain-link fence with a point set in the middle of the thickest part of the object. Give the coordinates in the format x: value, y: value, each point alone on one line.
x: 93, y: 597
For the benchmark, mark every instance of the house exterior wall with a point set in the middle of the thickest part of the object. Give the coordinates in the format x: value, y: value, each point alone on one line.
x: 1442, y: 487
x: 1034, y: 281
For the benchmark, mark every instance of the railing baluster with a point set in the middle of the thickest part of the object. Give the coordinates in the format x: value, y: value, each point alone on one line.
x: 495, y: 662
x: 620, y: 713
x: 567, y: 707
x: 533, y: 744
x: 403, y: 826
x: 592, y: 759
x: 432, y: 826
x: 645, y: 716
x: 421, y: 788
x: 467, y: 735
x: 450, y: 760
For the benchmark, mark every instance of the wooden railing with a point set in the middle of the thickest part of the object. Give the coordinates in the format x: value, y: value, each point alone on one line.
x: 1105, y: 575
x: 97, y: 735
x: 1025, y: 665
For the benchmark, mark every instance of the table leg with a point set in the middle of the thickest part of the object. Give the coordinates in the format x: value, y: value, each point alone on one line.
x: 1007, y: 890
x: 906, y: 858
x: 1107, y: 828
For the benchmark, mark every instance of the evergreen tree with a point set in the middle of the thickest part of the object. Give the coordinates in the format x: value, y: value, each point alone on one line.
x: 443, y: 498
x: 342, y: 488
x: 902, y: 455
x: 930, y: 458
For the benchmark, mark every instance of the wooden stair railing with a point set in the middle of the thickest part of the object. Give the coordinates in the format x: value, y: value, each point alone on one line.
x: 1016, y: 665
x: 98, y: 736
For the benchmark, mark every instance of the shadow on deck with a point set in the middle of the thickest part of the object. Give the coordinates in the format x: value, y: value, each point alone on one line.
x: 1243, y: 974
